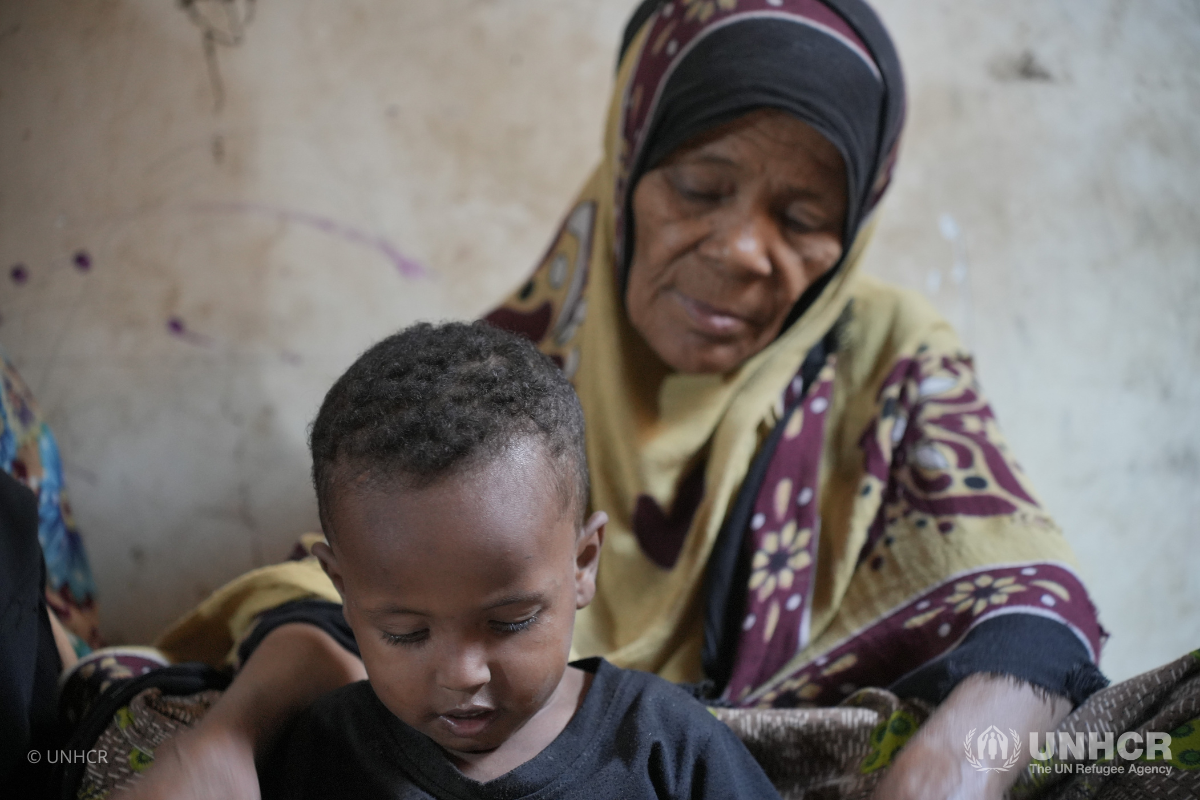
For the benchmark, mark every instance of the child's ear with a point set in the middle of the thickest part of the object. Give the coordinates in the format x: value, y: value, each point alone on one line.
x: 587, y: 558
x: 329, y: 563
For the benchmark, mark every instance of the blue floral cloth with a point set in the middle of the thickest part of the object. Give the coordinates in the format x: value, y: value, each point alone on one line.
x: 29, y: 452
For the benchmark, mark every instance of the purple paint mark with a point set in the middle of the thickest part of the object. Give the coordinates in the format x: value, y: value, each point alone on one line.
x: 403, y: 264
x: 82, y: 261
x: 179, y: 329
x: 291, y: 357
x: 19, y: 274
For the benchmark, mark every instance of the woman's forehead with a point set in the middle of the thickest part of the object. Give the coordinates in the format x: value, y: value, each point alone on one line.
x: 766, y: 133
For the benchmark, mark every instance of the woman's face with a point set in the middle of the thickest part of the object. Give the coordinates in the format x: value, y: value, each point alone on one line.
x: 729, y: 232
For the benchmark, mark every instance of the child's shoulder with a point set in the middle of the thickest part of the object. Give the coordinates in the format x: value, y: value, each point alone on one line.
x: 671, y: 739
x: 338, y: 720
x: 337, y: 747
x: 336, y: 726
x: 653, y: 698
x: 344, y: 704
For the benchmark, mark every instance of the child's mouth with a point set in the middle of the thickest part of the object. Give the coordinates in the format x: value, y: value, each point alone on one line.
x: 468, y: 722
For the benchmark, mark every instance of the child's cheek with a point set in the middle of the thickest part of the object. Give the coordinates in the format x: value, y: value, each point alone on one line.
x: 392, y: 671
x: 536, y: 665
x: 401, y: 686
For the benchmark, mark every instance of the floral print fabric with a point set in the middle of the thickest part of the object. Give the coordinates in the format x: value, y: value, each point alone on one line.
x: 29, y: 452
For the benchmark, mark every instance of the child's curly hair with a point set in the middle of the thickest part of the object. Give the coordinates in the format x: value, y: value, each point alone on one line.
x: 433, y: 400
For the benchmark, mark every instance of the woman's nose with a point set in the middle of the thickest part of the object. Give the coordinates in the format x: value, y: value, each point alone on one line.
x: 464, y: 668
x: 742, y: 242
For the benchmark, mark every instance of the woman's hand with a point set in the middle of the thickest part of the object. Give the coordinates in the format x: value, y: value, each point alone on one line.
x: 932, y: 765
x: 294, y: 665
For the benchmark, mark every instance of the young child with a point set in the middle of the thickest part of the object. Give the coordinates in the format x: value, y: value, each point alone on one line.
x: 452, y: 485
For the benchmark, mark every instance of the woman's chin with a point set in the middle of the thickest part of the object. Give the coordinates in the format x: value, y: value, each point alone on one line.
x: 701, y: 355
x: 689, y: 346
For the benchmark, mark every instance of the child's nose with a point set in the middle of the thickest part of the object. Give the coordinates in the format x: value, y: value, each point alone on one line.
x: 464, y: 668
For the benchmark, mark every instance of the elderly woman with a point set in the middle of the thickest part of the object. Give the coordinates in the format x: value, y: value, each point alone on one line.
x: 808, y: 491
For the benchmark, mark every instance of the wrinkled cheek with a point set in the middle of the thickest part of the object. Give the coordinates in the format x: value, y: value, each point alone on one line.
x: 676, y: 242
x: 663, y: 243
x: 820, y: 257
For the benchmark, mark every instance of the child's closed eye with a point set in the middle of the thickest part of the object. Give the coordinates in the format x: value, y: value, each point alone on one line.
x: 416, y: 637
x: 513, y: 627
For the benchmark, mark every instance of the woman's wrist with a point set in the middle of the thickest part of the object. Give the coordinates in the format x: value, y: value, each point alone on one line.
x: 933, y: 766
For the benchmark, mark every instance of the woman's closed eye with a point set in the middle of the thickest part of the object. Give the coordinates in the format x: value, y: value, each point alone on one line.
x: 800, y: 224
x: 701, y: 189
x: 803, y: 217
x: 700, y: 194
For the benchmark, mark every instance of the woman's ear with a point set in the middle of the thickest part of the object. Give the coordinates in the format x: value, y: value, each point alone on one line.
x: 329, y: 563
x: 587, y: 558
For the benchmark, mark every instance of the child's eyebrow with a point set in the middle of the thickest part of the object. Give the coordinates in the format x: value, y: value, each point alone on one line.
x: 514, y: 599
x: 389, y: 610
x: 508, y: 600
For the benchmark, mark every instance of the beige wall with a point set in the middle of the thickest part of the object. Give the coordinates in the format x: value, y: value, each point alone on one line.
x: 374, y: 162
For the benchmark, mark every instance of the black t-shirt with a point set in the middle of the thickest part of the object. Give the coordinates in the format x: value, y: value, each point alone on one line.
x: 634, y: 736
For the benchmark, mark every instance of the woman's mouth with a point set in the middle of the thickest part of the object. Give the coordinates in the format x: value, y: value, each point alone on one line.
x: 468, y: 722
x: 710, y: 319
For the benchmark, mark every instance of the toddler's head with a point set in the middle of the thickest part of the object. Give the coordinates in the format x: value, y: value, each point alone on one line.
x: 452, y: 484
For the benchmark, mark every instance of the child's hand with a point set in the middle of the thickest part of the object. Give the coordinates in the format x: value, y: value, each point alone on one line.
x: 200, y: 764
x: 294, y: 665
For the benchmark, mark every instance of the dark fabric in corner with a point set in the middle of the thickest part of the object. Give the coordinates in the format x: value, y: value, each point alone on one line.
x: 29, y: 660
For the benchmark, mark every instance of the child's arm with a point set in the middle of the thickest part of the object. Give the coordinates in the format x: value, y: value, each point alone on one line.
x: 294, y: 665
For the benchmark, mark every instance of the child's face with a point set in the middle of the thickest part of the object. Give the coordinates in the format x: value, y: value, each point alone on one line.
x: 462, y: 595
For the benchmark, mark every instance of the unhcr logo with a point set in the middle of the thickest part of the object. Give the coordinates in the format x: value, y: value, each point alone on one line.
x: 992, y: 750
